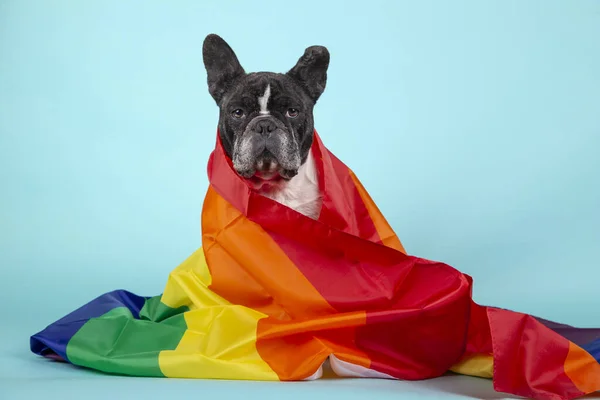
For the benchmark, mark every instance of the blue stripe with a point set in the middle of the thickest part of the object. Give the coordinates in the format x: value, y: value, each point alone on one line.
x: 55, y: 337
x: 594, y: 349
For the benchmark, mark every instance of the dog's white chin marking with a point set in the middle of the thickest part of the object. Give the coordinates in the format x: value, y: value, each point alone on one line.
x: 302, y: 192
x: 263, y: 101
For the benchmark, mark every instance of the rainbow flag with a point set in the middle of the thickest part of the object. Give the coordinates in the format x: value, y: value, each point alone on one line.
x: 273, y: 295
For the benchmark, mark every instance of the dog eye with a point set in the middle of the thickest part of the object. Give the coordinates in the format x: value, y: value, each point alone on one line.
x: 292, y: 113
x: 239, y: 113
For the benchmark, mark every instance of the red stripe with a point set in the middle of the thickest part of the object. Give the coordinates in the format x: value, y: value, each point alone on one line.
x: 417, y: 311
x: 225, y: 180
x: 343, y: 208
x: 479, y: 339
x: 529, y: 358
x: 419, y: 314
x: 424, y: 332
x: 409, y: 301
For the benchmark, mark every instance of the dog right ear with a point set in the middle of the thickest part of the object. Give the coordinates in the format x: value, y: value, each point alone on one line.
x: 311, y: 71
x: 222, y: 66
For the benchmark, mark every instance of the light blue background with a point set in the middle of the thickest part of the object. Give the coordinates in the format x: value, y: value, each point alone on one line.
x: 475, y: 125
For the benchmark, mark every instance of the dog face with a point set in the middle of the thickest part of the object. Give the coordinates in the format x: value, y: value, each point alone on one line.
x: 266, y: 119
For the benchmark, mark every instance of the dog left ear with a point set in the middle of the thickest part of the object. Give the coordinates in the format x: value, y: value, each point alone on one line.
x: 311, y: 71
x: 222, y: 66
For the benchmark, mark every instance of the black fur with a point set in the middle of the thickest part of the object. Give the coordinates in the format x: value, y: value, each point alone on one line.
x: 234, y: 89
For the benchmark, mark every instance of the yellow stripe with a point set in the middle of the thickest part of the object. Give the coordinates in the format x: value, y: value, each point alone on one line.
x: 481, y: 365
x: 220, y: 340
x: 188, y: 285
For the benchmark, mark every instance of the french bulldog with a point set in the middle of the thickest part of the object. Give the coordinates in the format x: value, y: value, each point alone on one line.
x: 266, y: 122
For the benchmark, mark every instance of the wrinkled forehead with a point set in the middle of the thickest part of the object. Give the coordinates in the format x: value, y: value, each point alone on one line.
x: 259, y: 90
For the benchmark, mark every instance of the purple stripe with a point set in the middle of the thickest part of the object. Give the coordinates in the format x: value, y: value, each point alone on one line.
x: 582, y: 337
x: 53, y: 340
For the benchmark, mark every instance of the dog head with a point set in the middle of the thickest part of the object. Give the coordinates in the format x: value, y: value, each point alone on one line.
x: 266, y: 120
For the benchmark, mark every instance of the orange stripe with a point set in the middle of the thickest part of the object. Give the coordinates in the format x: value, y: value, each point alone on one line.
x: 582, y: 369
x: 385, y: 231
x: 296, y: 349
x: 243, y: 261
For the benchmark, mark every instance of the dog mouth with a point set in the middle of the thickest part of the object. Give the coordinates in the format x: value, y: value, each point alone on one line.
x: 266, y: 154
x: 266, y: 185
x: 267, y: 173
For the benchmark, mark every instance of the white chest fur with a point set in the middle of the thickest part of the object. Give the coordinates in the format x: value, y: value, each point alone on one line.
x: 302, y: 192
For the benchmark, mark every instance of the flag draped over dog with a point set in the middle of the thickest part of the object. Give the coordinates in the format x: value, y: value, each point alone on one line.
x: 272, y: 294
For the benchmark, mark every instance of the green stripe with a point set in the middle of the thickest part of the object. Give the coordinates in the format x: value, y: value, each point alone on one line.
x: 155, y: 310
x: 118, y: 343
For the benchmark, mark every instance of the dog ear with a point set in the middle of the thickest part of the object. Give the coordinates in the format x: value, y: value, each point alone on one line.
x: 311, y: 71
x: 222, y: 66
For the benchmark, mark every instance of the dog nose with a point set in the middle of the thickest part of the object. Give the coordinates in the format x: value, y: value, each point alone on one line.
x: 265, y: 126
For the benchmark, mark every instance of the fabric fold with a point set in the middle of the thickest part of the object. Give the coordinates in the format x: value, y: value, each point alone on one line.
x: 272, y: 294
